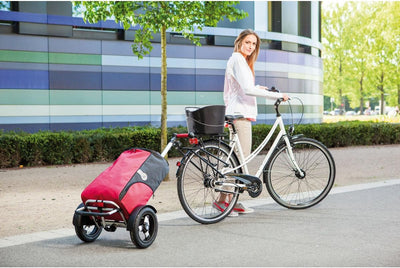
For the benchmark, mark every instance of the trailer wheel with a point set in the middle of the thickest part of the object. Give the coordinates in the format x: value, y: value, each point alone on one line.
x: 143, y: 226
x: 85, y: 228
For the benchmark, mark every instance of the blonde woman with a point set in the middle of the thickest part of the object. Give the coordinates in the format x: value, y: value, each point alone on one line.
x: 240, y: 94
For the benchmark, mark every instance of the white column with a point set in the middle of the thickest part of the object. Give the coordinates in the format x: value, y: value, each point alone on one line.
x: 290, y: 23
x: 261, y: 16
x: 315, y: 25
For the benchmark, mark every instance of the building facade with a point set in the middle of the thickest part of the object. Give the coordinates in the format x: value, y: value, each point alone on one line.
x: 58, y: 73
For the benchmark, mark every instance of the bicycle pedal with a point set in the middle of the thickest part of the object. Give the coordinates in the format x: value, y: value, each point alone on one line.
x: 253, y: 184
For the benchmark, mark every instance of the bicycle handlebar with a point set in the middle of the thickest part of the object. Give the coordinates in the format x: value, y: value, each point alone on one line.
x: 273, y: 89
x: 278, y: 101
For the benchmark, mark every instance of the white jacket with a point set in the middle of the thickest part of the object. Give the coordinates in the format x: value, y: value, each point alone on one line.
x: 240, y: 92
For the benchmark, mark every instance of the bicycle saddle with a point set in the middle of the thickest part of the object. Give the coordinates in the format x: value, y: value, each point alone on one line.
x: 231, y: 118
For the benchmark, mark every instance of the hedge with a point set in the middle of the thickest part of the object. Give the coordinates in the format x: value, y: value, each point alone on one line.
x: 341, y: 134
x: 105, y: 144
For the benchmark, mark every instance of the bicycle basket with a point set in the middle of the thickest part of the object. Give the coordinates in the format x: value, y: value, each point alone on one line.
x: 208, y: 120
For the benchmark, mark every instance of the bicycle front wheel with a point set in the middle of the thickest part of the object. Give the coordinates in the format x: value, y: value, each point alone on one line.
x: 287, y: 187
x: 200, y: 183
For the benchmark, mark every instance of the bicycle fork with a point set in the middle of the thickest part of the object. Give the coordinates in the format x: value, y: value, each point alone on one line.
x: 289, y: 153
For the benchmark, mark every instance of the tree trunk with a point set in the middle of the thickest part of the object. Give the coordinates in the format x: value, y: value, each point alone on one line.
x: 340, y: 90
x: 398, y: 93
x: 361, y: 96
x: 164, y: 137
x: 341, y: 112
x: 382, y: 106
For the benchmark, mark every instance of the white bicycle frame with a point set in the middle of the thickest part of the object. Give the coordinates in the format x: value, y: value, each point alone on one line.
x: 235, y: 143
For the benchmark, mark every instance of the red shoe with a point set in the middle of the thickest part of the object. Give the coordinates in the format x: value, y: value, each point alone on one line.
x: 222, y: 206
x: 242, y: 209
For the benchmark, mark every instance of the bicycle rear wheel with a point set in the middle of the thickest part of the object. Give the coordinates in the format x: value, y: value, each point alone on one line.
x: 198, y: 182
x: 291, y: 190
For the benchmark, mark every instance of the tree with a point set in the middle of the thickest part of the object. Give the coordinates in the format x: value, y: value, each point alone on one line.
x: 337, y: 43
x: 157, y: 17
x: 360, y: 57
x: 394, y: 22
x: 362, y: 51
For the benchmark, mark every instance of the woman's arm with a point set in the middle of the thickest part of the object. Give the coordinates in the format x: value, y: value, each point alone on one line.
x: 244, y: 76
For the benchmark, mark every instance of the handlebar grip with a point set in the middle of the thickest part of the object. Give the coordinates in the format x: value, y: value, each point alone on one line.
x: 182, y: 135
x: 273, y: 89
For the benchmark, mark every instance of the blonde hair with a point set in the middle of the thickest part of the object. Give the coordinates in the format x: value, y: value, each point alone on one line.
x: 238, y: 44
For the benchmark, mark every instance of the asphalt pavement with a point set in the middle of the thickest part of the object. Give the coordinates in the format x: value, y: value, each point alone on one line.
x: 355, y: 225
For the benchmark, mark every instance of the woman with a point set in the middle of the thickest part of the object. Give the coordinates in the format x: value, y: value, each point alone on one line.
x: 240, y: 94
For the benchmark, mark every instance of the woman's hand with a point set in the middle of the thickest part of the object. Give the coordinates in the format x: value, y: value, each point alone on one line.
x: 285, y: 96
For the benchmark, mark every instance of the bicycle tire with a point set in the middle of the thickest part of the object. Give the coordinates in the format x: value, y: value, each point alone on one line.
x: 289, y: 189
x: 196, y: 182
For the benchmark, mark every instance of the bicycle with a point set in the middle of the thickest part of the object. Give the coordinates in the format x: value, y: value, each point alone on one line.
x: 298, y: 171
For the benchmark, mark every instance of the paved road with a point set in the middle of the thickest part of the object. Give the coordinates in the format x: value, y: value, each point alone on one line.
x: 354, y: 226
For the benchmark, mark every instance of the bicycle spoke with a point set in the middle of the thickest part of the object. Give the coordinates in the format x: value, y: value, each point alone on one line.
x: 286, y: 185
x: 197, y: 182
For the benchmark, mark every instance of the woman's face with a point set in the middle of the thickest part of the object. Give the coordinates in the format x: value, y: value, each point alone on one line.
x: 248, y: 45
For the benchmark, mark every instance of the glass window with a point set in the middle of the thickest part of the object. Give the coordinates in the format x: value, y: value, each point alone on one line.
x: 275, y: 16
x: 304, y: 15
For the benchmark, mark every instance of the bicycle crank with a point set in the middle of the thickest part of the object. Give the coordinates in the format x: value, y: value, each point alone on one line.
x: 252, y: 184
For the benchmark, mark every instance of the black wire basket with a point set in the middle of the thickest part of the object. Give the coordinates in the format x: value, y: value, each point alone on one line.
x: 208, y: 120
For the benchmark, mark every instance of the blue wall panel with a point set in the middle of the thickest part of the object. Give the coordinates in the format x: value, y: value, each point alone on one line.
x: 23, y: 79
x: 125, y: 81
x: 176, y: 82
x: 75, y: 80
x: 210, y: 83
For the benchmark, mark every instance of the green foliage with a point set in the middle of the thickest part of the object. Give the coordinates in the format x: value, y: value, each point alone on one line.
x: 105, y: 144
x: 352, y: 133
x: 340, y: 134
x: 5, y: 5
x: 10, y: 148
x: 259, y: 133
x: 361, y: 51
x: 149, y: 17
x: 81, y: 149
x: 57, y: 148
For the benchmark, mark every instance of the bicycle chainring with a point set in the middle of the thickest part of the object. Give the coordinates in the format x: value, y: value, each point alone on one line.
x: 254, y: 189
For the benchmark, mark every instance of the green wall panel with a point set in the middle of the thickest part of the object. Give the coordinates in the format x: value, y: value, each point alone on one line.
x: 126, y: 97
x: 209, y: 98
x: 24, y: 56
x: 174, y: 98
x: 24, y: 97
x: 75, y: 97
x: 69, y: 58
x: 44, y: 57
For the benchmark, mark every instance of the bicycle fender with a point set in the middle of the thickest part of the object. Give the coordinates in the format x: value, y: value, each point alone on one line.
x: 295, y: 137
x: 291, y: 139
x: 180, y: 163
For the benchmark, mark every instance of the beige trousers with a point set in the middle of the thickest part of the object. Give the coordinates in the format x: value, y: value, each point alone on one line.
x: 243, y: 128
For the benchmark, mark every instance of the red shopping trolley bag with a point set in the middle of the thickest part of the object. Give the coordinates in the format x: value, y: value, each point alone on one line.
x: 130, y: 181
